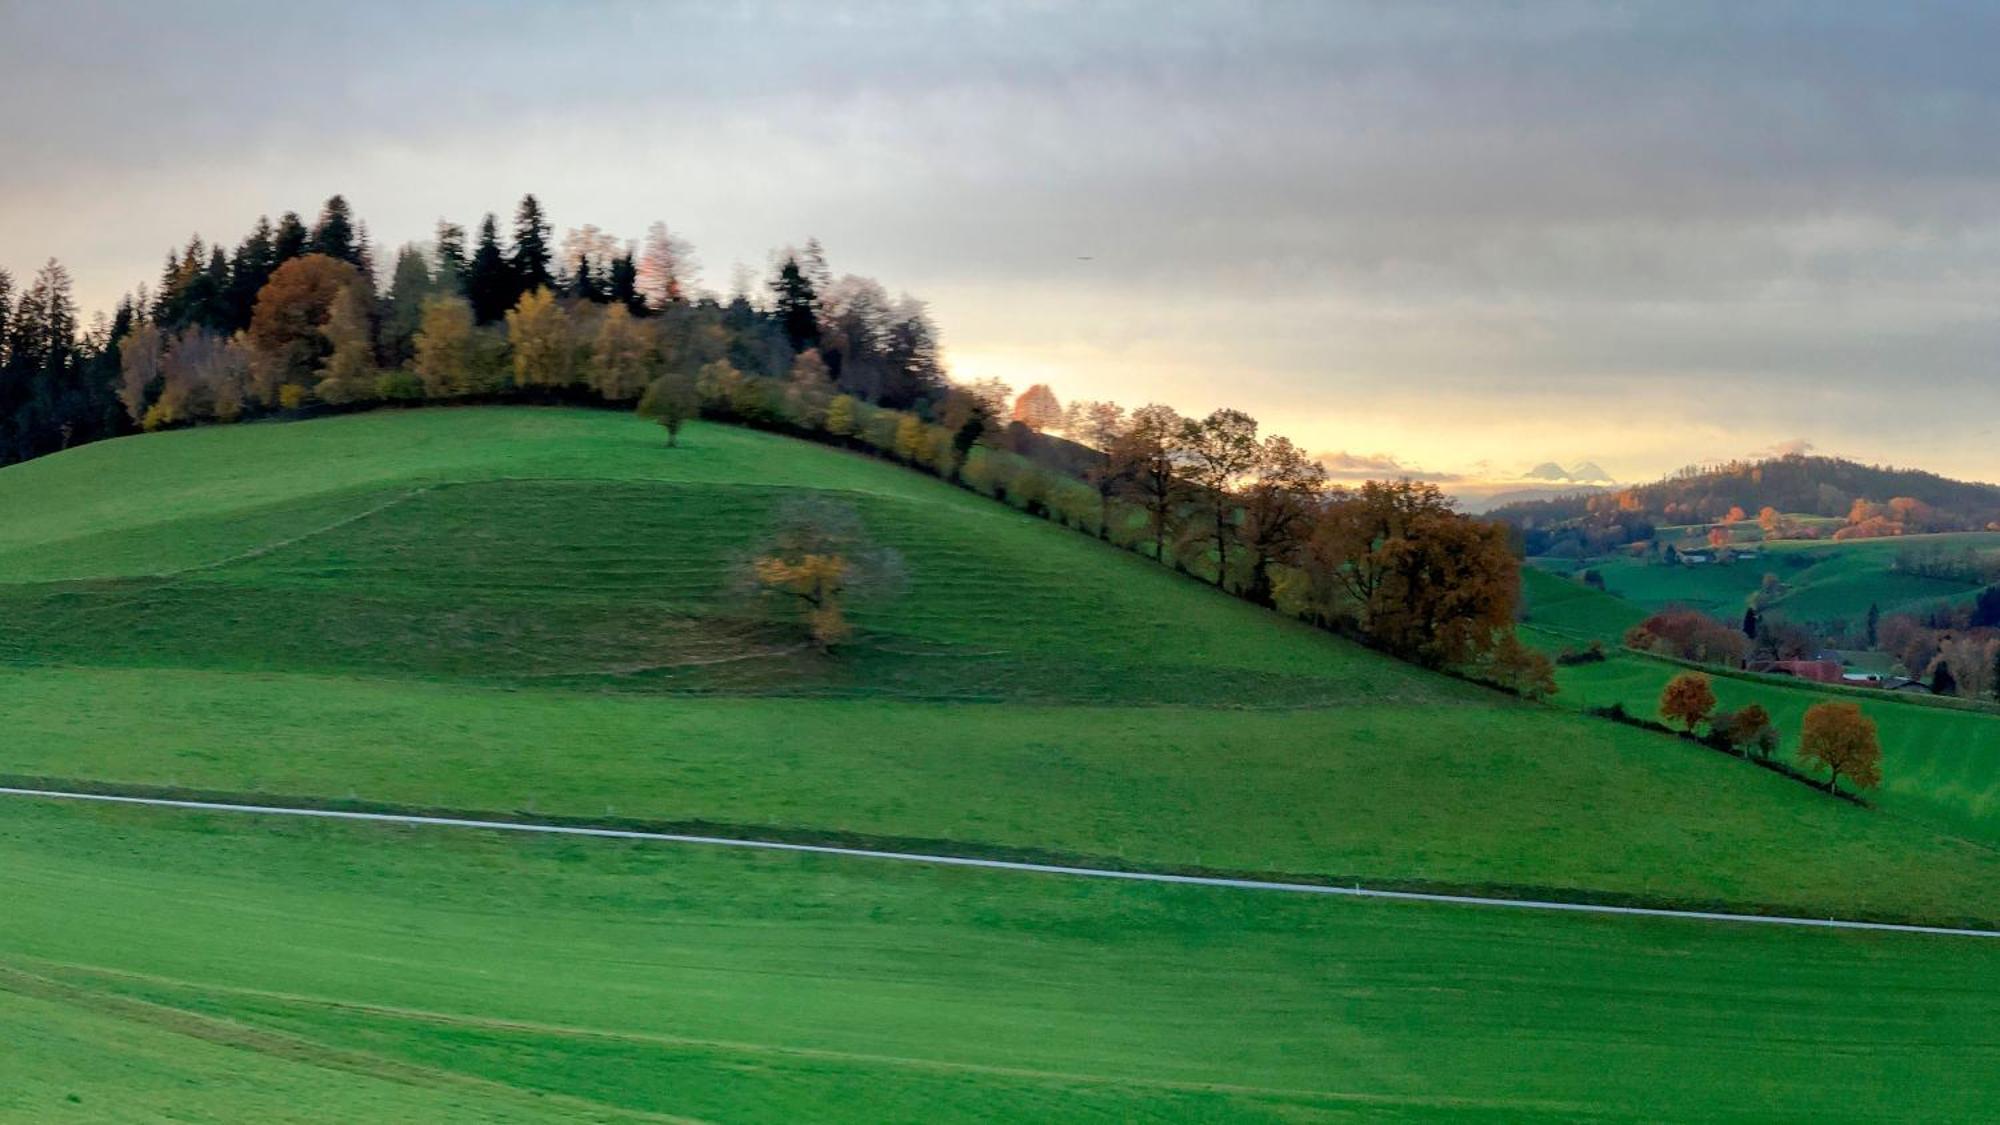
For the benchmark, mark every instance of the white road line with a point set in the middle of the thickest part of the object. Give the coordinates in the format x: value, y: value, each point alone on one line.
x: 998, y: 864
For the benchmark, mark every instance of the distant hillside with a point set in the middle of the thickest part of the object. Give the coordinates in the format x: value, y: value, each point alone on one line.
x: 1823, y: 486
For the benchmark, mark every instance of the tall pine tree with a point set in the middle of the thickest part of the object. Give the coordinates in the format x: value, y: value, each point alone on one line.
x: 409, y: 287
x: 531, y: 248
x: 290, y: 241
x: 625, y: 284
x: 797, y: 310
x: 248, y: 271
x: 451, y: 263
x: 333, y: 235
x: 489, y: 281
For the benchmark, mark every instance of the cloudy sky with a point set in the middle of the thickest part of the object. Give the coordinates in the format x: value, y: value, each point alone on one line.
x: 1463, y: 239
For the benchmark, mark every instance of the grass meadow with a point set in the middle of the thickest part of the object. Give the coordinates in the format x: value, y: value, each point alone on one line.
x: 591, y: 977
x: 1824, y: 581
x: 1940, y: 761
x: 491, y: 628
x: 524, y: 611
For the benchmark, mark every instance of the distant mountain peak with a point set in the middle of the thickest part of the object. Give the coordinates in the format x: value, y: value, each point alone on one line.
x: 1589, y: 472
x: 1547, y: 470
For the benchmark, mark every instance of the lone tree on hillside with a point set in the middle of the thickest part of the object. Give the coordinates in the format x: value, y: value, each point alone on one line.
x: 817, y: 557
x: 1688, y: 699
x: 1841, y: 738
x: 671, y: 400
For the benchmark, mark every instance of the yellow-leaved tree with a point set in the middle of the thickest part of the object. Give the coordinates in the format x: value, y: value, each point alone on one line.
x: 539, y: 330
x: 621, y: 357
x: 816, y: 558
x: 445, y: 347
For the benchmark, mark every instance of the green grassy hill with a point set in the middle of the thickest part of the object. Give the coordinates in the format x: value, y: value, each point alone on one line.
x: 522, y: 609
x: 716, y: 985
x: 1823, y: 581
x: 1940, y: 760
x: 518, y: 610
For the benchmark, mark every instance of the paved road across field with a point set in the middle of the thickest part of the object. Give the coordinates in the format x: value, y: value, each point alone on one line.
x: 993, y: 864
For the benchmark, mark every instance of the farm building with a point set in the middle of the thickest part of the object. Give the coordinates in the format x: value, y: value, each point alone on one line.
x: 1818, y: 671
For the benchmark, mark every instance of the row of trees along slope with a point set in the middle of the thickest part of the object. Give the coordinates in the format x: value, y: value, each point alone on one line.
x: 293, y: 321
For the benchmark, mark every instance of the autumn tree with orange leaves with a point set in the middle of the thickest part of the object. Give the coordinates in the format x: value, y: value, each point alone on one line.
x: 1394, y: 562
x: 1688, y: 699
x: 1838, y: 736
x: 1038, y: 409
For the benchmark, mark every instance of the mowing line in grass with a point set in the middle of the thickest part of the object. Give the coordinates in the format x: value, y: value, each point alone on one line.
x: 995, y: 864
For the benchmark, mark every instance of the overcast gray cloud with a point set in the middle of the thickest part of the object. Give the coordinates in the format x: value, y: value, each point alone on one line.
x: 1639, y: 235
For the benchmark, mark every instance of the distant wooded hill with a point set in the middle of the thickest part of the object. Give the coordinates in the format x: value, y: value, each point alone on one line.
x: 1800, y: 485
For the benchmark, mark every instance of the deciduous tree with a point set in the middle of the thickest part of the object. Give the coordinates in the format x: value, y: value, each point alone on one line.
x: 288, y: 329
x: 672, y: 401
x: 665, y: 267
x: 1038, y: 409
x: 538, y: 330
x: 816, y: 558
x: 1218, y: 452
x: 1419, y: 579
x: 1687, y: 699
x: 1146, y: 463
x: 1748, y: 730
x: 1279, y: 507
x: 444, y: 347
x: 1838, y: 736
x: 1515, y: 665
x: 349, y: 372
x: 621, y: 357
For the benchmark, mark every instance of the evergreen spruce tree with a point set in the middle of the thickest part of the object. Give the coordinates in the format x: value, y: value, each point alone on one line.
x: 6, y: 316
x: 41, y: 391
x: 451, y: 263
x: 584, y: 284
x: 364, y: 257
x: 248, y: 271
x: 333, y: 235
x: 209, y: 306
x: 797, y: 309
x: 290, y: 241
x: 625, y: 284
x: 409, y: 287
x: 489, y: 282
x: 531, y: 254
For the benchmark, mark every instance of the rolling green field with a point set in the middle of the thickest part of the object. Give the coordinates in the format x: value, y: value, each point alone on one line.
x: 1940, y: 763
x: 533, y: 611
x: 718, y: 985
x: 445, y: 608
x: 1824, y: 580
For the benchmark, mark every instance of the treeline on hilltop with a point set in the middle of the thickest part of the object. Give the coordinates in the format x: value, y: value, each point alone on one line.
x: 293, y: 321
x: 1871, y: 498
